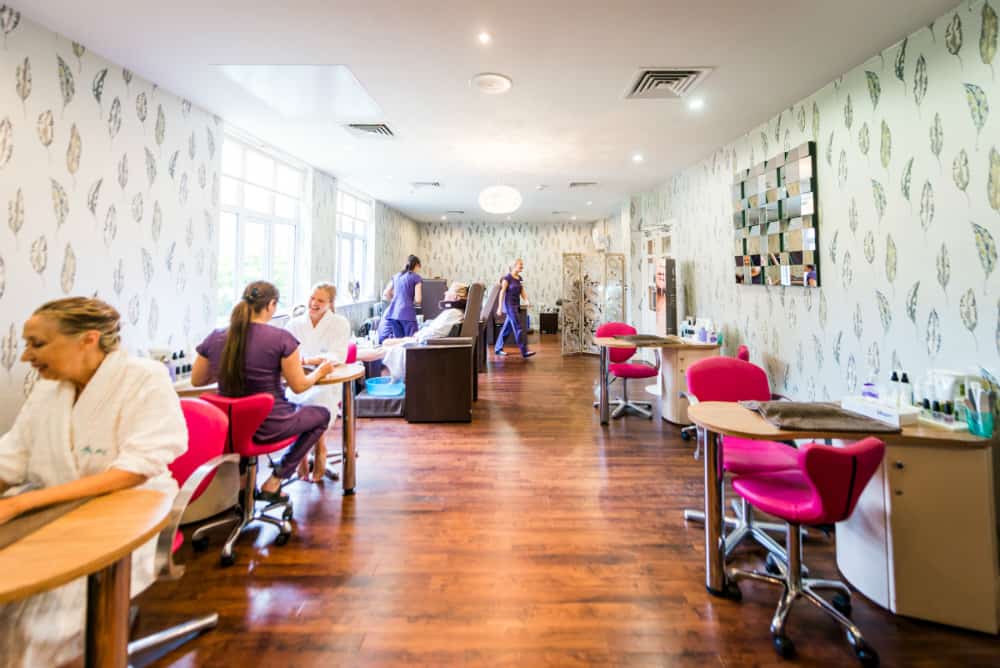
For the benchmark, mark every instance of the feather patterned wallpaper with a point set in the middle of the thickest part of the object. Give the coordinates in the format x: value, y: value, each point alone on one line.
x: 482, y: 251
x: 111, y: 187
x: 323, y: 244
x: 909, y: 197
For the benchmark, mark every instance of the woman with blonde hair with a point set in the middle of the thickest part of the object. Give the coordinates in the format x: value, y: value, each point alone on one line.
x: 511, y: 292
x: 323, y: 335
x: 251, y: 357
x: 97, y: 421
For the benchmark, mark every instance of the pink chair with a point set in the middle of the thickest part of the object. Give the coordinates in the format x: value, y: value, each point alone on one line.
x: 194, y: 470
x: 823, y: 488
x: 732, y: 380
x: 620, y: 367
x: 743, y: 353
x: 245, y: 416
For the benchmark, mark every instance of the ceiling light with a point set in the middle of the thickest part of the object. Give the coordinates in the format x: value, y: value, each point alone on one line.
x: 572, y: 217
x: 637, y: 157
x: 508, y: 217
x: 541, y: 186
x: 491, y: 83
x: 444, y: 217
x: 500, y: 199
x: 589, y: 202
x: 484, y: 37
x: 696, y: 104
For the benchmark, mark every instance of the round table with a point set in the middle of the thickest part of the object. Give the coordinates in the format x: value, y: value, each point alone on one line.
x: 344, y: 374
x: 95, y: 540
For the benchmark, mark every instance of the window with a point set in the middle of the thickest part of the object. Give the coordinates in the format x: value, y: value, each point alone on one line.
x: 259, y: 223
x: 353, y: 229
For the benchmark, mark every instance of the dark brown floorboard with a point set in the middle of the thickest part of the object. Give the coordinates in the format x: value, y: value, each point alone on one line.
x: 529, y: 537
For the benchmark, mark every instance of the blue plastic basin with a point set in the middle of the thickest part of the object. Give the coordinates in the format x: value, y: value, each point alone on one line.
x: 384, y: 387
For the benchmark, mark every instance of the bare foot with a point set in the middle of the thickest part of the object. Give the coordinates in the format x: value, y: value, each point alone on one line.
x: 319, y: 468
x: 303, y: 470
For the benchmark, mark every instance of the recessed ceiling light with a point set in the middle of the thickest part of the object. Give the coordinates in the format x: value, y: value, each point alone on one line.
x: 508, y: 217
x: 500, y: 199
x: 491, y: 83
x: 444, y: 217
x: 541, y: 186
x: 696, y: 104
x: 637, y: 157
x: 484, y: 37
x: 572, y: 217
x: 589, y: 202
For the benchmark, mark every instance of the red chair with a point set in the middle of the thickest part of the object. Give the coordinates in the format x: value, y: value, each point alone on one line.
x: 743, y: 353
x: 730, y: 379
x: 823, y: 488
x: 245, y: 416
x: 620, y: 367
x: 194, y: 470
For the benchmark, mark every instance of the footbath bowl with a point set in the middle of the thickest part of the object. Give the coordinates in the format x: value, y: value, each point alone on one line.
x: 384, y: 387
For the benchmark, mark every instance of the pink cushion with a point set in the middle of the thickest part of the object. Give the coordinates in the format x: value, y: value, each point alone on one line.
x: 784, y: 494
x: 632, y: 370
x: 608, y: 329
x: 741, y: 456
x: 178, y: 541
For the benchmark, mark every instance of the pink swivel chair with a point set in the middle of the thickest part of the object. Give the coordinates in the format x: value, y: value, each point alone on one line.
x: 743, y: 353
x: 730, y: 379
x: 823, y: 488
x: 245, y: 416
x: 193, y: 471
x: 620, y: 367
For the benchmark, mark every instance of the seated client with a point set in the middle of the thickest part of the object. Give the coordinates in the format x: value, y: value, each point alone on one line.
x: 251, y: 357
x: 452, y: 313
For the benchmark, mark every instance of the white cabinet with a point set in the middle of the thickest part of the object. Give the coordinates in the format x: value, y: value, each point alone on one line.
x: 673, y: 380
x: 923, y: 539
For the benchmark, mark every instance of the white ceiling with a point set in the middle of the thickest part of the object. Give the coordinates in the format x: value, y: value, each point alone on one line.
x: 570, y: 60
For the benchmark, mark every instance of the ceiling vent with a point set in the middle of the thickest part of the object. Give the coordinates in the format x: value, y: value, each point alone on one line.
x: 666, y: 83
x: 379, y: 129
x: 582, y: 184
x: 560, y: 213
x: 455, y: 212
x: 425, y: 184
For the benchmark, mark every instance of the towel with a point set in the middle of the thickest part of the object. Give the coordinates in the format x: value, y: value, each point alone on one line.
x: 647, y: 338
x: 816, y: 416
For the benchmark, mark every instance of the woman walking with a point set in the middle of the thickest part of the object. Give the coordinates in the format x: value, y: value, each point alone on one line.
x: 404, y: 295
x: 511, y: 292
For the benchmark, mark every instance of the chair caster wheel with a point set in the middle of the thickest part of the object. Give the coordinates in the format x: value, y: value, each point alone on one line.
x: 783, y: 646
x: 867, y: 656
x: 199, y: 544
x: 282, y: 539
x: 771, y: 565
x: 287, y: 515
x: 842, y: 604
x: 685, y: 436
x: 228, y: 559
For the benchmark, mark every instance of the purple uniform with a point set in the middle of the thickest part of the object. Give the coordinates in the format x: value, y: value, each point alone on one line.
x: 512, y: 325
x: 401, y: 315
x: 266, y: 346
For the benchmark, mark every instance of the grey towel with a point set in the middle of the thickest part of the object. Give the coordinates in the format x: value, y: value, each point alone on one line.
x: 816, y: 416
x: 646, y: 338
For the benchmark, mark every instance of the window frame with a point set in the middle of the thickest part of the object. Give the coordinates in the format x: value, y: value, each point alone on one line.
x: 366, y: 277
x: 271, y: 221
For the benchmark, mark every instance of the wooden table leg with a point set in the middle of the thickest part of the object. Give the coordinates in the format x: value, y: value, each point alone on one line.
x: 107, y: 615
x: 349, y: 451
x: 603, y: 400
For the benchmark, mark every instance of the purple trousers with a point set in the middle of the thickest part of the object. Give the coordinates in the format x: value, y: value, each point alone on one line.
x: 402, y: 328
x: 287, y: 420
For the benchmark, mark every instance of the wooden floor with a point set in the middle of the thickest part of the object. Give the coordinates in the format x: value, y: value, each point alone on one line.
x: 530, y: 537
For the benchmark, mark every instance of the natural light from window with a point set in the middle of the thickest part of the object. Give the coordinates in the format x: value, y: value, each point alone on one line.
x: 353, y: 263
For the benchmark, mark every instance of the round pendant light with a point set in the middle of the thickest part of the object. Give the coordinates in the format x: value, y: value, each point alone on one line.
x: 491, y: 83
x: 500, y: 199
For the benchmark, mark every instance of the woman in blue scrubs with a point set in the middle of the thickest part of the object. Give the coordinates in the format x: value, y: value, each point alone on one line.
x: 511, y: 292
x: 404, y: 294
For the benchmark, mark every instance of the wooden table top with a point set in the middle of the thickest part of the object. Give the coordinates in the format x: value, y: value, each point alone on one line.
x: 735, y: 420
x: 84, y: 540
x: 342, y: 373
x: 674, y: 342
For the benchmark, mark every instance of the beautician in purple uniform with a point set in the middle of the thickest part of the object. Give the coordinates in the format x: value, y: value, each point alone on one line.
x: 511, y: 292
x: 404, y: 293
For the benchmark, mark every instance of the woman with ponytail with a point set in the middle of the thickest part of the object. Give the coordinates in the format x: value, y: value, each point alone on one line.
x: 404, y: 294
x: 251, y: 357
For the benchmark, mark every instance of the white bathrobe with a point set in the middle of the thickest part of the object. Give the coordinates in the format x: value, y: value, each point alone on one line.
x: 329, y: 338
x: 440, y: 326
x: 128, y: 417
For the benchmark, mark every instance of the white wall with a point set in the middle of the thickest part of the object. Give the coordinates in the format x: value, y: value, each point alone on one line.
x: 111, y: 188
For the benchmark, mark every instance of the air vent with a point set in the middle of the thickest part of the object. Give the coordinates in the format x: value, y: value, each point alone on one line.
x: 380, y: 129
x: 425, y: 184
x: 582, y: 184
x: 658, y: 83
x: 455, y: 212
x: 559, y: 213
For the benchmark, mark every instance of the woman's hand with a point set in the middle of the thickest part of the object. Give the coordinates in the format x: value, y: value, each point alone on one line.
x: 314, y: 361
x: 9, y: 509
x: 325, y: 367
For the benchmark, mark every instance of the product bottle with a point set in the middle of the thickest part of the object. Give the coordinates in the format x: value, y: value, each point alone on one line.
x: 172, y: 367
x: 183, y: 364
x: 894, y: 395
x: 905, y: 391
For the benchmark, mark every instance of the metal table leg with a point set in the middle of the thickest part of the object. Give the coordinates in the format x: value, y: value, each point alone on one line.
x: 715, y: 544
x: 349, y: 451
x: 107, y: 615
x: 603, y: 400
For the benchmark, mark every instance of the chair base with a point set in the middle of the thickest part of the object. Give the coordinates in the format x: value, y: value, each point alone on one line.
x: 795, y: 586
x: 622, y: 407
x: 247, y: 514
x: 744, y: 526
x: 188, y: 628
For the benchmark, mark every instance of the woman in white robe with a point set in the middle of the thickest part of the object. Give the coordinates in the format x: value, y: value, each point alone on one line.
x: 323, y: 335
x: 97, y: 421
x: 452, y: 313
